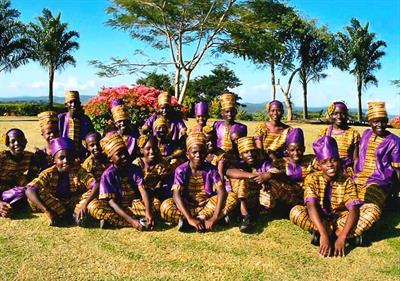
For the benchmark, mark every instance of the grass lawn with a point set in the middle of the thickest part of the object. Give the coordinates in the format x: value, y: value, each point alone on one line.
x: 30, y: 250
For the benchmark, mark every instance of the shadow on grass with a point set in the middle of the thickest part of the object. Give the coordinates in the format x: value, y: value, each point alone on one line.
x: 386, y: 227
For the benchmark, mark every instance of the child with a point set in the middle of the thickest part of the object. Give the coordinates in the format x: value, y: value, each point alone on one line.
x: 228, y: 131
x: 64, y: 190
x: 97, y: 162
x: 177, y: 126
x: 124, y: 127
x: 199, y: 196
x: 157, y: 172
x: 18, y: 167
x: 74, y: 124
x: 170, y: 150
x: 377, y: 170
x: 332, y: 208
x: 122, y: 196
x: 215, y: 155
x: 48, y: 122
x: 346, y: 137
x: 271, y: 135
x: 201, y: 114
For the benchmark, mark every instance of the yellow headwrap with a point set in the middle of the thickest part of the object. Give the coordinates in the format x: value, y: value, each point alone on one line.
x: 246, y: 144
x: 227, y: 100
x: 48, y: 119
x: 164, y: 98
x: 142, y: 140
x: 71, y: 95
x: 111, y: 143
x: 195, y: 138
x: 376, y: 109
x: 160, y: 121
x: 119, y: 113
x: 207, y: 129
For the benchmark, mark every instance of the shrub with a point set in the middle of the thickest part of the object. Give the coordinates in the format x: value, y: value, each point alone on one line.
x: 395, y: 122
x: 140, y: 100
x: 27, y: 108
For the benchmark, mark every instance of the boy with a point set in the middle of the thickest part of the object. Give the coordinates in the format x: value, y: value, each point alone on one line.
x: 199, y: 196
x: 201, y: 115
x: 74, y: 124
x: 124, y: 127
x: 332, y: 210
x: 64, y: 190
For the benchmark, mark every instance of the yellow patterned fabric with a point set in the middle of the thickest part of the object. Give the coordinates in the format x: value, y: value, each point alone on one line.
x: 111, y: 143
x: 48, y: 118
x: 156, y: 174
x: 246, y: 144
x: 74, y: 131
x: 271, y: 140
x: 71, y: 95
x: 128, y: 193
x: 276, y: 190
x: 227, y: 100
x: 195, y: 190
x: 164, y: 98
x: 161, y: 121
x: 345, y: 141
x: 372, y: 193
x: 376, y: 109
x: 15, y: 173
x: 195, y: 139
x: 93, y: 167
x: 369, y: 214
x: 119, y: 113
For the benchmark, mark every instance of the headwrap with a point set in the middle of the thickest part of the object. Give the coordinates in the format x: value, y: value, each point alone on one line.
x: 111, y: 143
x: 160, y: 121
x: 61, y: 143
x: 195, y: 138
x: 246, y: 144
x: 273, y: 102
x: 295, y: 135
x: 376, y: 109
x: 119, y: 111
x: 71, y: 95
x: 227, y: 100
x: 334, y: 105
x: 142, y: 140
x: 326, y: 148
x: 92, y: 134
x: 164, y: 98
x: 5, y: 138
x: 48, y: 119
x: 207, y: 129
x: 201, y: 108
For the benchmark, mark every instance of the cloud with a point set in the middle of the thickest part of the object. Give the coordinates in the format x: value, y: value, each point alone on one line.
x: 38, y: 85
x: 70, y: 83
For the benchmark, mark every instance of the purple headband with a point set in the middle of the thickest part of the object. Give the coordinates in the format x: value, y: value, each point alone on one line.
x: 91, y: 134
x: 340, y: 104
x: 276, y: 102
x: 201, y: 108
x: 295, y: 135
x: 17, y: 131
x: 117, y: 102
x: 326, y: 148
x: 61, y: 144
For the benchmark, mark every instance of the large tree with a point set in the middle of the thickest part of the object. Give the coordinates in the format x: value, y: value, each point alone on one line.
x: 51, y: 45
x: 13, y: 44
x: 187, y: 29
x: 359, y: 52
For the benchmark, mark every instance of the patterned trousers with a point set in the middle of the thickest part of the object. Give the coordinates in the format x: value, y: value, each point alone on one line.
x: 205, y: 210
x: 372, y: 193
x: 369, y: 214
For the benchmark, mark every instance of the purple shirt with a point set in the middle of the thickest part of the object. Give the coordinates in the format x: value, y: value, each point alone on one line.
x: 236, y: 128
x: 131, y: 142
x: 176, y: 125
x: 209, y: 173
x: 110, y: 182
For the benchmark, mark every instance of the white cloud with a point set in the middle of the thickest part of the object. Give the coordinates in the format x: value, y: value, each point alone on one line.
x: 38, y: 85
x: 72, y: 83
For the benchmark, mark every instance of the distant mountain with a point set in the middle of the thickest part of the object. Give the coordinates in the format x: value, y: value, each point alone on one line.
x: 56, y: 99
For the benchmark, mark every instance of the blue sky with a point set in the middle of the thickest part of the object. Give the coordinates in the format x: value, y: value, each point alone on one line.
x: 98, y: 41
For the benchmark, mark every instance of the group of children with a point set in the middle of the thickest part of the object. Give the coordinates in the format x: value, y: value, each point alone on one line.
x: 207, y: 175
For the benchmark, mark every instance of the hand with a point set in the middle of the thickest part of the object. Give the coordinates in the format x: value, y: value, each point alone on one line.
x: 150, y: 221
x: 5, y: 209
x: 209, y: 224
x: 51, y: 217
x: 340, y: 246
x: 136, y: 224
x: 324, y: 246
x: 198, y: 224
x: 83, y: 211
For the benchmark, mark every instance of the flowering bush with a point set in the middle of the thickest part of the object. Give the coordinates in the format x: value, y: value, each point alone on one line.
x: 140, y: 100
x: 395, y: 122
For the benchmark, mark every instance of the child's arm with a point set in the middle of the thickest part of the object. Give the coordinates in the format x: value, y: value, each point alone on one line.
x: 32, y: 195
x: 147, y: 205
x: 94, y: 193
x: 134, y: 222
x: 5, y: 209
x: 355, y: 156
x: 221, y: 198
x: 181, y: 206
x: 324, y: 244
x: 239, y: 174
x: 352, y: 219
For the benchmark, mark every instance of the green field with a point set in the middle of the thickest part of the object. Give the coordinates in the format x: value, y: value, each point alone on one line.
x: 30, y: 250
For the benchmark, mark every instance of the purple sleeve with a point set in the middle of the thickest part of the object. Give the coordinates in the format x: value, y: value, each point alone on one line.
x: 311, y: 200
x: 149, y: 122
x: 396, y: 154
x: 137, y: 176
x: 354, y: 203
x: 108, y: 183
x: 179, y: 176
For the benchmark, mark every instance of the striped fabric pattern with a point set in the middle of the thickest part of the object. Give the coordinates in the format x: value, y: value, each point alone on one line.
x: 74, y: 131
x: 271, y: 140
x: 346, y: 141
x: 156, y: 173
x: 93, y: 167
x: 308, y: 165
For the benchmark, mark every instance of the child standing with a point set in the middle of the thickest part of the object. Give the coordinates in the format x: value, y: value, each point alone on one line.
x: 201, y: 115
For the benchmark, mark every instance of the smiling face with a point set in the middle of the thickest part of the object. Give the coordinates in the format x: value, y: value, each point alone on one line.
x: 275, y: 112
x: 16, y: 142
x: 150, y: 151
x: 74, y: 107
x: 201, y: 119
x: 64, y: 160
x: 378, y: 126
x: 210, y: 141
x: 164, y: 110
x: 196, y: 155
x: 339, y: 117
x: 295, y: 151
x: 50, y: 133
x: 249, y: 156
x: 329, y: 167
x: 229, y: 114
x: 162, y: 131
x: 121, y: 158
x: 93, y: 145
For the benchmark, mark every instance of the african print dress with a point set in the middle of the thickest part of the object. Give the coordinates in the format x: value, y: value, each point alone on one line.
x: 272, y: 141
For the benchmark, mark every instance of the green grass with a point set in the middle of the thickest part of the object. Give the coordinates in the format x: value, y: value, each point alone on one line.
x: 30, y: 250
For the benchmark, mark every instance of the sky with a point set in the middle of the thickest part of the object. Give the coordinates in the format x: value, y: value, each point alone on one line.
x: 99, y: 41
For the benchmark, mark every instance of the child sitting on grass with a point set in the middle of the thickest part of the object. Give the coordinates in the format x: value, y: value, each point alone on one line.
x: 123, y: 198
x: 64, y: 190
x: 332, y: 207
x: 97, y: 162
x: 199, y: 196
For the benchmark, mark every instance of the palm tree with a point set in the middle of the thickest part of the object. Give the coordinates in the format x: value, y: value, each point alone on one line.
x: 13, y: 45
x: 51, y: 45
x: 359, y: 53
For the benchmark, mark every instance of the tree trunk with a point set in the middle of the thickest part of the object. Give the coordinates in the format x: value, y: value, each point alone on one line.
x: 287, y: 98
x: 359, y: 86
x: 273, y: 81
x: 185, y: 85
x: 305, y: 108
x: 51, y: 80
x: 177, y: 81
